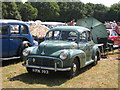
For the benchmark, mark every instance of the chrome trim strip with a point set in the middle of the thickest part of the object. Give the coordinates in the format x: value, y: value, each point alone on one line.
x: 48, y: 68
x: 43, y: 57
x: 55, y: 67
x: 27, y: 62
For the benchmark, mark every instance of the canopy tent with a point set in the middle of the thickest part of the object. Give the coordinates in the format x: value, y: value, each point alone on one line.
x: 97, y: 28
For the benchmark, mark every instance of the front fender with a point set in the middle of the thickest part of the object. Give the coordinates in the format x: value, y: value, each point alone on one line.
x: 80, y: 54
x: 22, y: 46
x: 32, y: 50
x: 72, y: 53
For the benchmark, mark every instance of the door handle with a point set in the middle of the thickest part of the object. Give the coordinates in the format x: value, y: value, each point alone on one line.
x: 11, y: 39
x: 90, y: 45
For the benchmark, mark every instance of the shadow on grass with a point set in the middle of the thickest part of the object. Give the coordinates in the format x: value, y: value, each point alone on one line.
x: 10, y: 61
x: 53, y: 79
x: 49, y: 80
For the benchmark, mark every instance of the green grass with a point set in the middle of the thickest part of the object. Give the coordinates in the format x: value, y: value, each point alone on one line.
x: 103, y: 75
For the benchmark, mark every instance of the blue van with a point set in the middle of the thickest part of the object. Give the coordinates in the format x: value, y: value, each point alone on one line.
x: 14, y: 37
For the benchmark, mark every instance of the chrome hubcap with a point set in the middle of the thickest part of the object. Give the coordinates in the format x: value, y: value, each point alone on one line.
x: 95, y: 58
x: 74, y: 67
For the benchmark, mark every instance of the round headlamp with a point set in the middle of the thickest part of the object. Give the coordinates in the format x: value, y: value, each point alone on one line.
x: 63, y: 55
x: 25, y: 52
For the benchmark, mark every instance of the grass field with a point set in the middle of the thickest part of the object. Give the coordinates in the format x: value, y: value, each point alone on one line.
x: 103, y: 75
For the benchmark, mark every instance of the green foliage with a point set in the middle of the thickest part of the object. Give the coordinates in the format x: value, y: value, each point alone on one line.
x: 71, y: 10
x: 59, y: 11
x: 114, y: 13
x: 100, y: 12
x: 10, y: 10
x: 47, y: 10
x: 89, y: 9
x: 27, y: 11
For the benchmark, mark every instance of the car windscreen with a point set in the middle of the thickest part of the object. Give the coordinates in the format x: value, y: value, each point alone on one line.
x: 114, y: 33
x: 61, y: 35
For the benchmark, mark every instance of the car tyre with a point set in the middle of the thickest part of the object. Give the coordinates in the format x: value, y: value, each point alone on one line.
x: 22, y: 47
x: 95, y: 60
x: 29, y: 70
x: 74, y: 69
x: 111, y: 48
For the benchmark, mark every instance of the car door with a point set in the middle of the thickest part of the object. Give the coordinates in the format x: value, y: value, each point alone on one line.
x: 90, y: 44
x: 4, y: 38
x: 84, y: 45
x: 15, y: 39
x: 26, y: 33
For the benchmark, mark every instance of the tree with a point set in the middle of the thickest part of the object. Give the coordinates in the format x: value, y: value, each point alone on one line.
x: 100, y: 12
x: 47, y: 11
x: 114, y: 13
x: 10, y: 11
x: 27, y: 11
x: 63, y: 11
x: 71, y: 10
x: 89, y: 9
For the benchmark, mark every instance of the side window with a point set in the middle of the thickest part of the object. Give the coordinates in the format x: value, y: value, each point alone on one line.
x: 89, y: 36
x: 24, y: 29
x: 14, y: 29
x: 83, y: 37
x: 56, y: 35
x: 3, y: 29
x: 72, y: 36
x: 49, y: 35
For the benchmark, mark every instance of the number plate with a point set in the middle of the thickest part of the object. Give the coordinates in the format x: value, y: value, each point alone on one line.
x: 40, y: 71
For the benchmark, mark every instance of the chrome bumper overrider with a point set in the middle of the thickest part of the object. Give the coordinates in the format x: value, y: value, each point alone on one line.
x: 48, y: 68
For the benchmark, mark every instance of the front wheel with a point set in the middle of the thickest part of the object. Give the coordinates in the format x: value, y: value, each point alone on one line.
x: 74, y: 69
x: 29, y: 70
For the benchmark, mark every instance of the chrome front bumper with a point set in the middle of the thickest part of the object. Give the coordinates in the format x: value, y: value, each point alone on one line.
x: 48, y: 68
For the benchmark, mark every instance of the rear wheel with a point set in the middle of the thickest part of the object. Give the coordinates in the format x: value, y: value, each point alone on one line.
x: 74, y: 69
x: 95, y: 60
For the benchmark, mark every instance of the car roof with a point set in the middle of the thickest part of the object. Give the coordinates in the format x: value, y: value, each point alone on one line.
x: 11, y: 21
x: 71, y: 28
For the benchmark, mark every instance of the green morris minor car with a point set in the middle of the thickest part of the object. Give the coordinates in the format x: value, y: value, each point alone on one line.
x: 65, y: 48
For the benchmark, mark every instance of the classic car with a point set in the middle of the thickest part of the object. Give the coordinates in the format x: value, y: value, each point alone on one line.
x: 65, y: 48
x: 114, y: 37
x: 14, y: 36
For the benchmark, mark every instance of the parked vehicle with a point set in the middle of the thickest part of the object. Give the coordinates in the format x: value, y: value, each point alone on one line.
x: 15, y: 36
x: 66, y: 48
x: 114, y: 37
